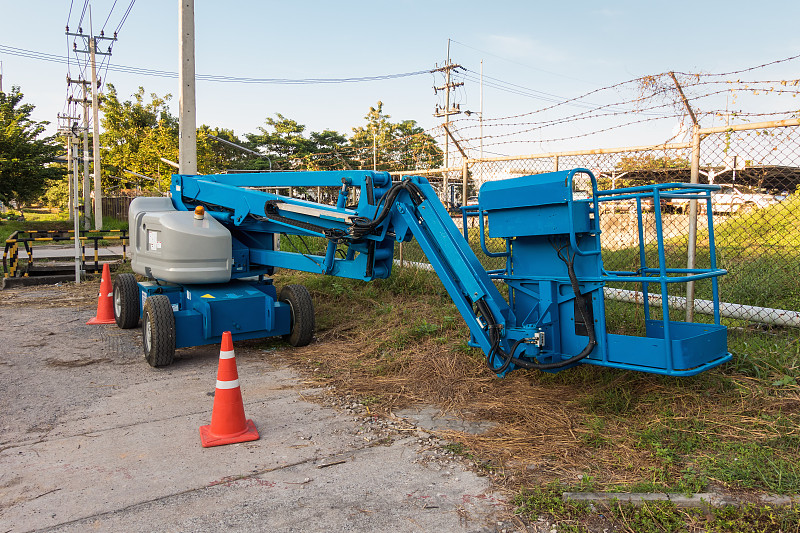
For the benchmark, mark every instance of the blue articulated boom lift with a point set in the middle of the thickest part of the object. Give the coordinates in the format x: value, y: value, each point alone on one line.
x: 209, y: 250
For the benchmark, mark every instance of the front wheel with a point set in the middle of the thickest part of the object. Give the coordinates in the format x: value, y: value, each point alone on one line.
x: 126, y: 301
x: 299, y: 300
x: 158, y: 331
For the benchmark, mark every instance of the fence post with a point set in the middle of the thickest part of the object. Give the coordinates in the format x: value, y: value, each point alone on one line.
x: 692, y: 243
x: 464, y: 173
x: 555, y: 163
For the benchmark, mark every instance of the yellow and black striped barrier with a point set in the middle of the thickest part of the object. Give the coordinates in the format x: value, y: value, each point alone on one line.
x: 26, y: 237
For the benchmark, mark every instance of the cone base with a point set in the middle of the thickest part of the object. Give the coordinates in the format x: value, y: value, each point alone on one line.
x: 97, y: 320
x: 208, y: 439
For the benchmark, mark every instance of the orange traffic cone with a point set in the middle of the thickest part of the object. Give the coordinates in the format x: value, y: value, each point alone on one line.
x: 228, y: 424
x: 105, y: 304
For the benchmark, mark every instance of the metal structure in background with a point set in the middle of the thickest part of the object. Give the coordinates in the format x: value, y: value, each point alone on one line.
x: 758, y: 168
x: 26, y: 238
x: 209, y: 248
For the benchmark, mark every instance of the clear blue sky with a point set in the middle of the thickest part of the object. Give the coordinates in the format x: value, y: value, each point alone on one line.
x: 564, y: 49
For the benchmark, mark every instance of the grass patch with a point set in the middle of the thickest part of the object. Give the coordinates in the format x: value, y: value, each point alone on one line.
x: 547, y: 501
x: 649, y: 517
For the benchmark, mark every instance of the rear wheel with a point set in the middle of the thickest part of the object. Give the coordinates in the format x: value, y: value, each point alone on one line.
x: 158, y: 331
x: 299, y: 300
x: 126, y: 301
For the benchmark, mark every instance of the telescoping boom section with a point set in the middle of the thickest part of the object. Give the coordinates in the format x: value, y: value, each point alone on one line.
x: 210, y: 249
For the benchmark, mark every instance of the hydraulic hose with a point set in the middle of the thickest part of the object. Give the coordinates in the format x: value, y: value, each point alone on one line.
x: 509, y: 358
x: 361, y: 226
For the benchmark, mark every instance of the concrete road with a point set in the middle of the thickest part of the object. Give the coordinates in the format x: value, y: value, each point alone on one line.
x: 94, y: 439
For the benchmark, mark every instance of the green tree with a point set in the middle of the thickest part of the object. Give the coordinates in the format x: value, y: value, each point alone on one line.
x: 414, y: 149
x: 283, y: 143
x: 394, y: 146
x: 372, y: 140
x: 330, y: 151
x: 214, y: 156
x: 26, y: 161
x: 650, y: 162
x: 137, y: 134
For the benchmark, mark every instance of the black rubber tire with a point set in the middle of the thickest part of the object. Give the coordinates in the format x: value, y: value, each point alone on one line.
x: 299, y: 300
x: 158, y: 331
x: 126, y: 301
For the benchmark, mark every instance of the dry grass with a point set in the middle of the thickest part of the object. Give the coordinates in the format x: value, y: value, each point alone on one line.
x: 400, y: 349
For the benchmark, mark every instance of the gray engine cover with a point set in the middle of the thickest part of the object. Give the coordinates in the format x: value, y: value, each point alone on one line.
x: 171, y: 245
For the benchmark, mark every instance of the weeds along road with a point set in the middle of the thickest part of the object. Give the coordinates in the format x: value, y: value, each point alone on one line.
x: 92, y: 437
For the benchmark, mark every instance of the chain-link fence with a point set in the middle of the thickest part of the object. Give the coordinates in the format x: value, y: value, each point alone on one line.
x: 756, y: 212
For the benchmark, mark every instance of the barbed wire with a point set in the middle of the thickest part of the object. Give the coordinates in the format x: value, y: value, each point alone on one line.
x: 571, y: 137
x: 749, y: 69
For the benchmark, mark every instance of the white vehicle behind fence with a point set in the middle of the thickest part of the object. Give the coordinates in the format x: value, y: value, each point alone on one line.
x: 731, y: 198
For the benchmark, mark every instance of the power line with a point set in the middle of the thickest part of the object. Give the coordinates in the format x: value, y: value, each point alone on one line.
x: 69, y: 15
x: 124, y: 17
x: 109, y: 16
x: 85, y: 4
x: 41, y: 56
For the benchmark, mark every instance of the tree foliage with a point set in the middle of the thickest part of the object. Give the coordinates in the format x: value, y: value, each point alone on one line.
x: 282, y: 142
x: 650, y: 162
x: 138, y: 133
x: 214, y: 156
x: 391, y: 146
x: 26, y: 161
x: 394, y: 146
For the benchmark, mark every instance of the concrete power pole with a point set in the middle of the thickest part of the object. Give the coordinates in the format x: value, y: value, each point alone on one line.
x: 98, y: 185
x: 87, y: 200
x: 446, y: 112
x: 87, y: 197
x: 187, y: 144
x: 67, y: 125
x: 448, y: 109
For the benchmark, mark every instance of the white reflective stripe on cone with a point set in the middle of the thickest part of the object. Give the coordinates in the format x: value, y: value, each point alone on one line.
x: 226, y: 355
x: 228, y: 384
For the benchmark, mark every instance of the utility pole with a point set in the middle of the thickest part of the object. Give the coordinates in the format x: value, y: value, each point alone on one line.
x: 1, y: 76
x: 70, y: 129
x: 448, y: 110
x: 481, y: 115
x: 187, y: 144
x: 98, y: 184
x: 91, y: 42
x: 87, y: 199
x: 65, y: 126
